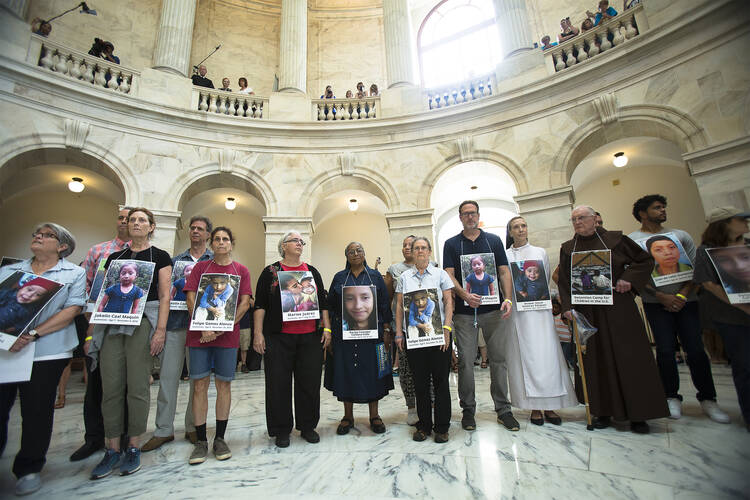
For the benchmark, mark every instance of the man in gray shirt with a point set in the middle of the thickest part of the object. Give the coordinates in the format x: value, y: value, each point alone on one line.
x: 673, y: 308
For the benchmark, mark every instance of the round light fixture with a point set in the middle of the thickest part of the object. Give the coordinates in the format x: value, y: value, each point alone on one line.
x: 620, y: 160
x: 353, y: 205
x: 76, y: 185
x: 474, y: 187
x: 230, y: 204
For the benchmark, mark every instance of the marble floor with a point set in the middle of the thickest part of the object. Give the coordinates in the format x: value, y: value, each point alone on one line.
x: 690, y: 458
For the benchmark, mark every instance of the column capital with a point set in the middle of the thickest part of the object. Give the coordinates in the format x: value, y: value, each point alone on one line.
x: 409, y: 219
x: 559, y: 197
x: 720, y: 172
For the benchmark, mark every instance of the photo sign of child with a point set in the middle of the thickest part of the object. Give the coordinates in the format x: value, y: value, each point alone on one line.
x: 215, y: 302
x: 733, y: 266
x: 591, y: 278
x: 180, y: 272
x: 22, y: 297
x: 423, y: 320
x: 96, y: 286
x: 359, y: 312
x: 299, y: 297
x: 479, y: 274
x: 530, y: 285
x: 671, y: 263
x: 9, y: 260
x: 124, y: 292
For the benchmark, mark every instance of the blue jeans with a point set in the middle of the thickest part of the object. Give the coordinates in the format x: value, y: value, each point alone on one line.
x: 686, y: 325
x: 737, y: 345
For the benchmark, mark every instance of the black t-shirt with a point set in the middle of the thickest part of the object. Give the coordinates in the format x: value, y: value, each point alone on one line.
x: 460, y: 245
x: 202, y: 81
x: 151, y: 254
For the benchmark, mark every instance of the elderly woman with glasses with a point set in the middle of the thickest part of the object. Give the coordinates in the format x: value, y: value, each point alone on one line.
x: 360, y: 312
x: 291, y: 348
x: 53, y: 334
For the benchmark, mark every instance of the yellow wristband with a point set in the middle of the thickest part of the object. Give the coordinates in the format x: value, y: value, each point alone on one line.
x: 508, y: 301
x: 446, y: 327
x: 327, y: 330
x: 679, y: 295
x: 87, y: 339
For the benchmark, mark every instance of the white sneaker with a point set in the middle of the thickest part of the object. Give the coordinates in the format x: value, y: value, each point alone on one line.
x: 675, y: 408
x: 412, y: 418
x: 713, y: 411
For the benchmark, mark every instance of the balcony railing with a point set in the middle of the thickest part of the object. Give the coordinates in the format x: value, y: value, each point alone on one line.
x: 606, y: 35
x: 229, y: 103
x: 345, y: 109
x: 84, y: 67
x: 471, y: 90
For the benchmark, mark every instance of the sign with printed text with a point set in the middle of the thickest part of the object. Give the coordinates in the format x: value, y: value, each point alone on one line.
x: 530, y: 285
x: 22, y: 297
x: 215, y: 302
x: 733, y: 266
x: 180, y: 272
x: 671, y: 263
x: 591, y: 278
x: 124, y: 292
x: 359, y: 312
x: 422, y: 318
x: 299, y: 296
x: 479, y: 274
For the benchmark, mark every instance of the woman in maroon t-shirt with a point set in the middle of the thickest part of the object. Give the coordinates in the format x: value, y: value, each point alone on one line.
x: 217, y: 349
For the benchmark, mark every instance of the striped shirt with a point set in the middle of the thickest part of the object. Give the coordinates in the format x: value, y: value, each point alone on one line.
x: 95, y: 254
x: 563, y: 332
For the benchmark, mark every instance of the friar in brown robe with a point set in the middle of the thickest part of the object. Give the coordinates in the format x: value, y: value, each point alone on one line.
x: 621, y: 374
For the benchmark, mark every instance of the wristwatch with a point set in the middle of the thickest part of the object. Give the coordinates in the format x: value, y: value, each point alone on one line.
x: 34, y: 335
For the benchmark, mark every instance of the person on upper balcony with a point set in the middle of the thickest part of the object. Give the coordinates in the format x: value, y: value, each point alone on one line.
x: 374, y: 90
x: 244, y: 89
x: 104, y: 49
x: 328, y: 94
x: 41, y: 27
x: 200, y: 79
x: 568, y: 30
x: 605, y: 12
x: 546, y: 42
x: 361, y: 92
x: 225, y: 85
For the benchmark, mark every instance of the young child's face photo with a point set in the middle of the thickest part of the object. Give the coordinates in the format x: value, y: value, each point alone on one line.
x: 219, y: 285
x: 477, y: 265
x: 29, y: 294
x: 188, y: 270
x: 532, y: 273
x: 421, y: 302
x: 294, y: 286
x: 307, y: 286
x: 127, y: 275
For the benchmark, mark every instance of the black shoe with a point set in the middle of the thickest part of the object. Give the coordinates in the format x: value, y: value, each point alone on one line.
x: 537, y: 421
x: 601, y: 422
x: 282, y: 441
x: 310, y: 436
x: 85, y: 451
x: 639, y: 427
x: 441, y: 437
x: 556, y: 420
x: 467, y: 421
x: 419, y: 435
x: 508, y: 421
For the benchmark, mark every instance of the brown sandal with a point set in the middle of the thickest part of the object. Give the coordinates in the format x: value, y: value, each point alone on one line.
x: 60, y: 402
x: 484, y: 364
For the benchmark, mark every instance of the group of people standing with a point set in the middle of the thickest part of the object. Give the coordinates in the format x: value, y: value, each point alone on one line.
x: 421, y: 307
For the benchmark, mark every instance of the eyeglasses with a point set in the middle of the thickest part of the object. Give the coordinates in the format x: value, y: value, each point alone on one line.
x: 580, y: 218
x: 468, y: 214
x: 296, y: 240
x: 355, y: 251
x: 45, y: 236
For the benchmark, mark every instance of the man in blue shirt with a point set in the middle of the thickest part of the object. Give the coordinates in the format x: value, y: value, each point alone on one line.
x: 494, y: 319
x: 605, y: 12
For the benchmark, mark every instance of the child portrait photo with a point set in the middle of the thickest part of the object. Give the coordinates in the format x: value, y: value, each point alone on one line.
x: 479, y: 275
x: 216, y: 302
x: 733, y: 266
x: 359, y: 314
x: 299, y: 296
x: 423, y: 319
x: 123, y: 294
x: 671, y: 263
x: 591, y: 277
x: 530, y: 285
x: 22, y: 297
x: 180, y: 272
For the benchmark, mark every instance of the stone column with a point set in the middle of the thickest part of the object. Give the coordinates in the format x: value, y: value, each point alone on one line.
x: 293, y: 46
x: 402, y: 224
x: 17, y: 7
x: 275, y: 229
x: 513, y: 26
x: 175, y: 37
x: 398, y: 43
x: 166, y: 229
x: 720, y: 171
x: 547, y: 214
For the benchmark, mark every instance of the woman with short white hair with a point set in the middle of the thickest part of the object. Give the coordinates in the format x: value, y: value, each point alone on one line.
x: 292, y: 348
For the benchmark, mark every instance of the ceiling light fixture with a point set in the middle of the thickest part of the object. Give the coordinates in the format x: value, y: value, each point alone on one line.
x: 620, y: 160
x: 230, y: 204
x: 76, y: 185
x: 353, y: 205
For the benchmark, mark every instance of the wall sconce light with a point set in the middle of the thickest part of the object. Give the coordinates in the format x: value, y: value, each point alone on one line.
x: 620, y: 160
x: 76, y: 185
x: 353, y: 205
x: 230, y: 204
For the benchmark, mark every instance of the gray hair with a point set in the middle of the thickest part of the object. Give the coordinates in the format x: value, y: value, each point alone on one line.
x: 64, y: 237
x: 283, y: 239
x: 587, y: 207
x: 204, y: 219
x: 423, y: 238
x: 353, y: 243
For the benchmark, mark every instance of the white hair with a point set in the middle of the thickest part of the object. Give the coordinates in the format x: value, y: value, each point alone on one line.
x: 587, y: 207
x: 283, y: 239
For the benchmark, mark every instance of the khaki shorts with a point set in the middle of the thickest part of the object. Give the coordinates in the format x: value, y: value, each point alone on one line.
x: 480, y: 340
x: 246, y: 339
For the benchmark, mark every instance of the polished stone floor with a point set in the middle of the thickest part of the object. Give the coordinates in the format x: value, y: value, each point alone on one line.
x: 689, y: 458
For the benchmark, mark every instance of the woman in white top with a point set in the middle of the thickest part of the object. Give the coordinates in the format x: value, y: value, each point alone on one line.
x: 244, y: 89
x: 537, y: 372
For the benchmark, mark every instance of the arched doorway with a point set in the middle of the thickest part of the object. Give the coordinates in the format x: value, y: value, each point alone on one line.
x: 34, y: 189
x: 487, y: 184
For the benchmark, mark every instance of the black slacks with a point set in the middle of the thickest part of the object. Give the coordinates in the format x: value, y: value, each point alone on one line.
x: 430, y: 363
x: 299, y: 356
x: 37, y: 414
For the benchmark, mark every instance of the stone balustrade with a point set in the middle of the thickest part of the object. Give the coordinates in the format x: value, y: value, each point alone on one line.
x: 345, y: 109
x: 229, y: 103
x: 606, y: 35
x: 80, y: 66
x: 471, y: 90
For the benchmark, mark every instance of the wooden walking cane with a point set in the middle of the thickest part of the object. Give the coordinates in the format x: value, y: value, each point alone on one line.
x: 579, y: 348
